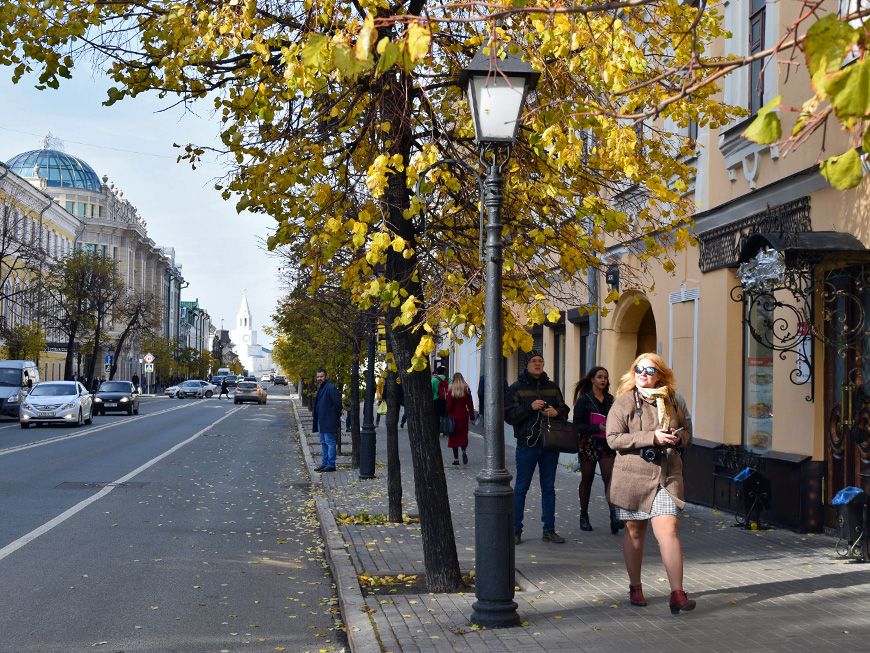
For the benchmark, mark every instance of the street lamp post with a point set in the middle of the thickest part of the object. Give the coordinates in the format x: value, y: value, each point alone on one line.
x: 497, y: 89
x: 367, y: 434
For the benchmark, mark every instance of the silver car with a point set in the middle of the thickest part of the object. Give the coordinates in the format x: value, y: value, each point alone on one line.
x: 193, y: 388
x: 64, y: 402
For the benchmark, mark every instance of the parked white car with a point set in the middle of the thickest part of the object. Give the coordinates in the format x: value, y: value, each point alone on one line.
x: 66, y: 402
x: 192, y: 388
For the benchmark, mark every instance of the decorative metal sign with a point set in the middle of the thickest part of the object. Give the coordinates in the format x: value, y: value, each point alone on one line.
x: 780, y: 303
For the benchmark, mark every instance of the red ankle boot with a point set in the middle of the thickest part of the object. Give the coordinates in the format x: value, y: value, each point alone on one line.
x: 635, y: 595
x: 679, y: 601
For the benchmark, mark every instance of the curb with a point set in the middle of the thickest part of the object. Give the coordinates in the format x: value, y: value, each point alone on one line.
x: 361, y: 633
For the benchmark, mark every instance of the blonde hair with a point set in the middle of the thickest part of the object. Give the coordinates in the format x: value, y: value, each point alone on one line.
x: 458, y: 387
x: 666, y: 374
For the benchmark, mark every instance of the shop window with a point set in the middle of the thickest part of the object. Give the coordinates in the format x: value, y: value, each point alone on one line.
x: 756, y: 44
x: 758, y: 382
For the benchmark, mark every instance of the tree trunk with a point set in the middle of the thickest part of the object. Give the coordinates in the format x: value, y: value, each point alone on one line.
x: 118, y: 347
x: 70, y: 353
x: 354, y: 405
x: 394, y: 464
x: 92, y: 365
x: 430, y: 484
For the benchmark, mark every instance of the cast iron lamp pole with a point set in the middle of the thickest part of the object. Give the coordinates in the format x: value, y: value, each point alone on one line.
x: 367, y: 435
x: 497, y: 90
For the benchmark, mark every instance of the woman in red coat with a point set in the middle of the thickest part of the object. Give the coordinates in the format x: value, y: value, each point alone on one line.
x: 461, y: 408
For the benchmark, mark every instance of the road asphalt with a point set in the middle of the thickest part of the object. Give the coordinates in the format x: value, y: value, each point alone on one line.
x: 188, y: 528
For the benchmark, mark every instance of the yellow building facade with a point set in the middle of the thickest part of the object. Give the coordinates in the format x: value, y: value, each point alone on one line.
x: 776, y: 375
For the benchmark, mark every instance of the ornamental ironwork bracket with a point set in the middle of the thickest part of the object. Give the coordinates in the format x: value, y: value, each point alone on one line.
x: 780, y: 315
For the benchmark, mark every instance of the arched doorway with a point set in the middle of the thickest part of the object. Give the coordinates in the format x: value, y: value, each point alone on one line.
x: 634, y: 329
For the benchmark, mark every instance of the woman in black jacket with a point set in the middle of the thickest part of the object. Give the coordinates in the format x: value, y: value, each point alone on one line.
x: 592, y: 401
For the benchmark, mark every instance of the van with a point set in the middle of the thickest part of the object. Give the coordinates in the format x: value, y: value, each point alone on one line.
x: 223, y: 371
x: 13, y: 386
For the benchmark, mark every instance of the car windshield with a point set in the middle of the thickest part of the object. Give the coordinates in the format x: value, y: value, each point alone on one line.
x: 247, y: 385
x: 195, y: 384
x: 231, y: 377
x: 115, y: 386
x: 10, y: 377
x: 54, y: 390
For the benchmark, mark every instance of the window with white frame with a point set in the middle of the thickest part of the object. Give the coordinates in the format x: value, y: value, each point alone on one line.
x: 756, y: 44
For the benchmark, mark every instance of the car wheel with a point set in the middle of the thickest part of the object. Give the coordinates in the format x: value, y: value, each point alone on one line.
x: 25, y: 425
x: 79, y: 420
x: 209, y: 394
x: 236, y: 403
x: 136, y: 410
x: 180, y: 395
x: 130, y: 410
x: 90, y: 419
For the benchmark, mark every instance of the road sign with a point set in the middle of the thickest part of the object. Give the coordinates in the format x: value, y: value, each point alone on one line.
x: 108, y: 359
x: 148, y: 358
x: 149, y: 367
x: 108, y: 369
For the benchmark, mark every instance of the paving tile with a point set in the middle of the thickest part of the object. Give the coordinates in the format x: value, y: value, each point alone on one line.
x: 765, y: 591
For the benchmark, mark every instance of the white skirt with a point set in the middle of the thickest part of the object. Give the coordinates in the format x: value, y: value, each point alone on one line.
x: 663, y: 504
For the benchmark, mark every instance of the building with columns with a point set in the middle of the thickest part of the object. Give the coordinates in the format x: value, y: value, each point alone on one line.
x: 36, y: 231
x: 110, y: 225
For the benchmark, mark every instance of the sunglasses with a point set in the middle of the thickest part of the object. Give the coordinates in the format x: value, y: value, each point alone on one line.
x: 649, y: 371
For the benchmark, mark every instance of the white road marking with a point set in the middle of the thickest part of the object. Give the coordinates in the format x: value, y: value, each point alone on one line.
x: 87, y: 431
x: 12, y: 547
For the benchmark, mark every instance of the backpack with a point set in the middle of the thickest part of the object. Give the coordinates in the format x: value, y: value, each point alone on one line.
x: 443, y: 388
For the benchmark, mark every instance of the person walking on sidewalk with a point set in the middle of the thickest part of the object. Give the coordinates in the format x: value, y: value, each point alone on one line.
x: 327, y: 418
x: 592, y: 401
x: 225, y: 389
x: 647, y: 428
x: 531, y: 398
x: 380, y: 401
x: 439, y: 395
x: 460, y: 407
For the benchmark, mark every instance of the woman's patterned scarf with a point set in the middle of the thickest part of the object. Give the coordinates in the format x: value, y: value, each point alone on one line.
x: 661, y: 395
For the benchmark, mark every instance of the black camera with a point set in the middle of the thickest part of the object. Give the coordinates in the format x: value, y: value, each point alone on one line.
x: 650, y: 454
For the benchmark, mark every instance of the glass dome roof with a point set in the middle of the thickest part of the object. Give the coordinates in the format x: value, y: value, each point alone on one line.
x: 59, y: 169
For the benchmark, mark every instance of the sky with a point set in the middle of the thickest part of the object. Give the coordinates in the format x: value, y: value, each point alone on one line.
x: 220, y: 252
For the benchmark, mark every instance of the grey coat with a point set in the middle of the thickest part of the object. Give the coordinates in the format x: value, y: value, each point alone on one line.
x: 635, y: 481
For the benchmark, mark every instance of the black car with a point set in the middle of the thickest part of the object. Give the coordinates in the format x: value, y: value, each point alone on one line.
x: 116, y: 395
x: 216, y: 379
x: 232, y: 380
x: 280, y: 379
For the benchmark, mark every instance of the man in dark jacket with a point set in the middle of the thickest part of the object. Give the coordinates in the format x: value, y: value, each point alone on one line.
x: 530, y: 400
x: 327, y: 420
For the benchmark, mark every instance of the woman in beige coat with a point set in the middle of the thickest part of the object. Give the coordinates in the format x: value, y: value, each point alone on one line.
x: 647, y: 429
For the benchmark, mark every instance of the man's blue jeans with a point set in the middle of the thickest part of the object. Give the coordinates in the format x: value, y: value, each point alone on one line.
x: 546, y: 461
x: 327, y: 446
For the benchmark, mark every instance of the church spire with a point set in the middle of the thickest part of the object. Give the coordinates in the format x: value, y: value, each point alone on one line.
x: 243, y: 317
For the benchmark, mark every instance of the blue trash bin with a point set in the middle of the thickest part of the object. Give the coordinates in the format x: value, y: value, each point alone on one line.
x: 850, y: 503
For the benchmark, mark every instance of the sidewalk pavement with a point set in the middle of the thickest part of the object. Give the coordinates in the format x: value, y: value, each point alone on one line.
x: 772, y: 590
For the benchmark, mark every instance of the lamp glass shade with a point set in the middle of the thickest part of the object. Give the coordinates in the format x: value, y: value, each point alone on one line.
x: 496, y: 103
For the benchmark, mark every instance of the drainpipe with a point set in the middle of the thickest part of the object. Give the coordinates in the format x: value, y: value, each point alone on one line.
x: 592, y: 339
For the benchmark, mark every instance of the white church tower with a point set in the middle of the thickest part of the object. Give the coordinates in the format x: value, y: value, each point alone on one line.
x: 254, y: 358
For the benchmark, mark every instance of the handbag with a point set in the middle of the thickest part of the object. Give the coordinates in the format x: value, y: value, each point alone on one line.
x: 382, y: 407
x: 446, y: 425
x: 560, y: 435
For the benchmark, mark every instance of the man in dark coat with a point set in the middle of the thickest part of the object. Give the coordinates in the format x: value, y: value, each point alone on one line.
x: 327, y: 420
x: 532, y: 399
